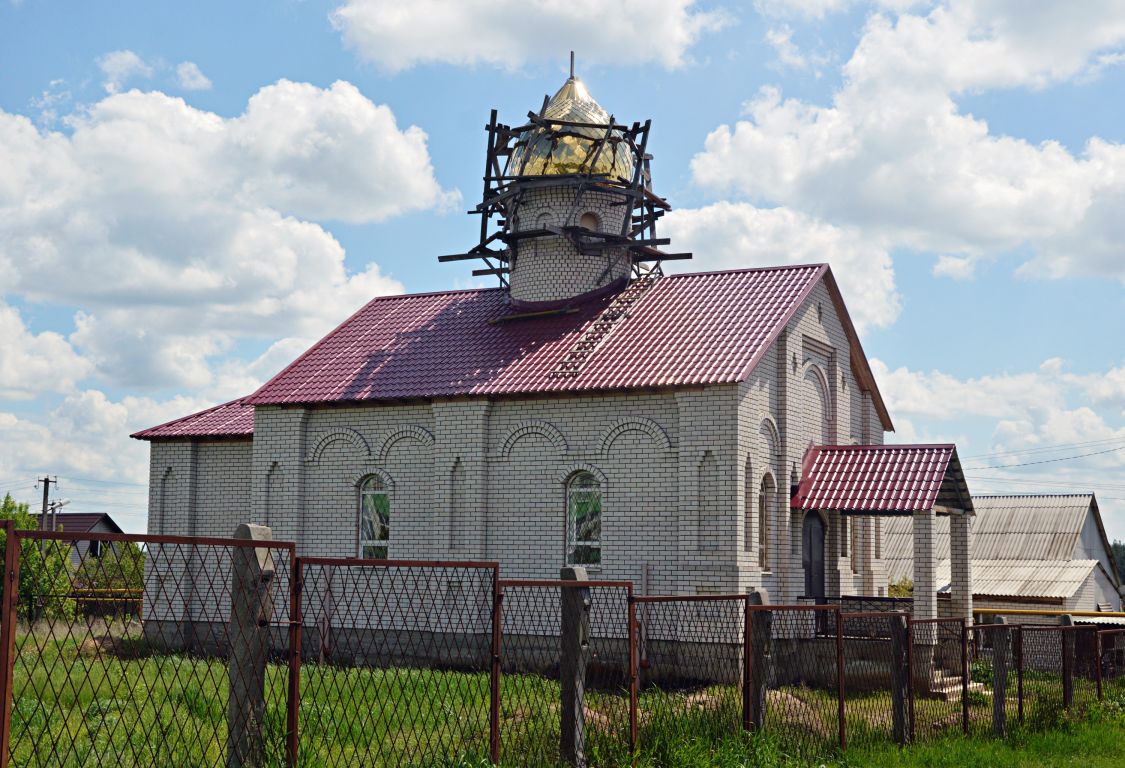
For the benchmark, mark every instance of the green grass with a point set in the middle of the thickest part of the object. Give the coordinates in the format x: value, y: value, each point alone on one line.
x: 96, y: 705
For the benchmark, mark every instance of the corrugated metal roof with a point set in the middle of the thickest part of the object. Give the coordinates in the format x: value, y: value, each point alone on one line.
x: 233, y: 419
x: 879, y: 478
x: 83, y: 522
x: 1023, y: 578
x: 1106, y: 621
x: 1032, y: 527
x: 690, y: 329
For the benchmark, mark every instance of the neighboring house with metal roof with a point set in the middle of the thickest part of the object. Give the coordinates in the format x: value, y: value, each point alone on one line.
x: 589, y: 411
x: 1029, y: 551
x: 82, y: 522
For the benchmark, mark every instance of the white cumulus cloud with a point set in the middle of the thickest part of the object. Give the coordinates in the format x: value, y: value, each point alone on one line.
x: 738, y: 235
x: 894, y: 155
x: 32, y: 363
x: 508, y: 33
x: 178, y: 232
x: 1037, y: 431
x: 190, y: 78
x: 119, y: 67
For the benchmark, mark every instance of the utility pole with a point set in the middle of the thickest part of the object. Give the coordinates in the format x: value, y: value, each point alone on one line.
x: 47, y: 482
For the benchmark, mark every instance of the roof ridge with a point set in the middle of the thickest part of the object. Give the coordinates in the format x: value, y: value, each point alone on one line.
x: 1088, y: 495
x: 740, y: 270
x: 886, y: 445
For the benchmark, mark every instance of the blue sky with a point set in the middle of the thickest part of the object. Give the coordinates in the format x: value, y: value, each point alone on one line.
x: 197, y: 191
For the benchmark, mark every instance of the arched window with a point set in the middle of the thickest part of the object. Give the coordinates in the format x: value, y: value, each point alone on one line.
x: 589, y: 220
x: 374, y: 518
x: 583, y: 520
x: 765, y: 502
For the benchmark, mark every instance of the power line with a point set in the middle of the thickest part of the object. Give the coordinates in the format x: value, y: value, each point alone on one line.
x: 1045, y: 448
x: 116, y: 494
x: 70, y: 478
x: 1048, y: 461
x: 1054, y: 483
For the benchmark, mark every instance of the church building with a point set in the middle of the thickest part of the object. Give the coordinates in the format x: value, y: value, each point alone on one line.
x: 697, y: 433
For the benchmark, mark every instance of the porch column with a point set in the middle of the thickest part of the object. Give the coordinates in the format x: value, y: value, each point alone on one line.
x: 960, y: 565
x: 925, y: 567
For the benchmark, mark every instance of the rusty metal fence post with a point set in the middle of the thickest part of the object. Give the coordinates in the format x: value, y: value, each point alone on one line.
x: 1067, y: 645
x: 293, y: 700
x: 11, y: 581
x: 1098, y: 662
x: 494, y: 672
x: 634, y: 674
x: 1001, y: 659
x: 757, y: 643
x: 1017, y: 639
x: 900, y: 679
x: 964, y: 677
x: 910, y: 677
x: 841, y: 712
x: 747, y: 665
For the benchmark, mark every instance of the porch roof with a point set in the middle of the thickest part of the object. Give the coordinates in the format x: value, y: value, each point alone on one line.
x: 882, y: 479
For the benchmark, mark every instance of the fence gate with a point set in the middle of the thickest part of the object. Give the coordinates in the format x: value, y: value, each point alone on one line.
x: 114, y: 649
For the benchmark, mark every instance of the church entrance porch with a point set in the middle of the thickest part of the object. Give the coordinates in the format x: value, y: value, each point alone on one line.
x: 872, y: 481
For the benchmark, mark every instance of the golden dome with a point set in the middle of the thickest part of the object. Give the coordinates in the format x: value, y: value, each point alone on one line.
x: 551, y: 152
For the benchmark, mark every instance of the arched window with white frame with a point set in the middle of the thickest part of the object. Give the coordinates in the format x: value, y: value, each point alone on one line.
x: 374, y: 518
x: 583, y: 519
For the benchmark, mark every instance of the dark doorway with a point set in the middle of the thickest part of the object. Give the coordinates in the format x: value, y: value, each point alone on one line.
x: 812, y: 556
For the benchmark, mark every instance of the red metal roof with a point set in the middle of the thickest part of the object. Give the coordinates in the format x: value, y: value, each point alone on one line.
x: 691, y: 329
x: 82, y: 522
x: 881, y: 478
x: 233, y: 419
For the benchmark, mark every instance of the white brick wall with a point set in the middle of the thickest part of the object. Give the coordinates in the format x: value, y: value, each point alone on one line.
x: 551, y: 268
x: 485, y: 479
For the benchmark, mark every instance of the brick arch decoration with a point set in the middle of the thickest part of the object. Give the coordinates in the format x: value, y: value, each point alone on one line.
x: 636, y: 424
x: 565, y: 474
x: 349, y: 436
x: 357, y: 478
x: 412, y: 432
x: 772, y: 436
x: 525, y: 428
x: 823, y: 389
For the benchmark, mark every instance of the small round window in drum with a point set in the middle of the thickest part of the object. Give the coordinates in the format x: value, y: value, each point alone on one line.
x: 589, y: 220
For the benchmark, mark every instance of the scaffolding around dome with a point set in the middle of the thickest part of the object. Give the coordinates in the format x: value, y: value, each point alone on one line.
x: 574, y: 145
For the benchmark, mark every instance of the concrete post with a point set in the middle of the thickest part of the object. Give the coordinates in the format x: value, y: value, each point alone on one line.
x: 960, y: 564
x: 574, y: 645
x: 1001, y: 661
x: 900, y: 678
x: 1066, y: 642
x: 251, y: 609
x: 761, y: 655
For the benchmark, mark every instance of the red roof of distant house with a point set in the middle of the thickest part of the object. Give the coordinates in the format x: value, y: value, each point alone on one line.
x: 691, y: 329
x: 83, y: 522
x: 881, y: 478
x: 233, y: 419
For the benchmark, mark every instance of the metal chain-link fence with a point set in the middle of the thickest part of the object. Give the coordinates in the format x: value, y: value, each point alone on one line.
x: 168, y: 651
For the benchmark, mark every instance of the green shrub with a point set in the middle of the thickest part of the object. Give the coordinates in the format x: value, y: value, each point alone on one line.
x: 45, y: 568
